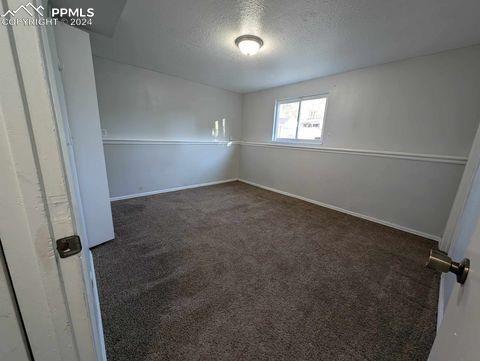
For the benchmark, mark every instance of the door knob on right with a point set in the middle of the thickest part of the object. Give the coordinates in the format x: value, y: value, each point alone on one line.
x: 440, y: 261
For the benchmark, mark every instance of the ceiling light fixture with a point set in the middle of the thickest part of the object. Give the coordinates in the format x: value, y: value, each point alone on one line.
x: 249, y: 44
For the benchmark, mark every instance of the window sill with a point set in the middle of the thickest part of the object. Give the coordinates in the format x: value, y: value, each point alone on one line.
x: 296, y: 143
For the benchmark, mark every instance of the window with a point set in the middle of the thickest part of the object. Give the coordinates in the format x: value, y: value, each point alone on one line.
x: 300, y: 119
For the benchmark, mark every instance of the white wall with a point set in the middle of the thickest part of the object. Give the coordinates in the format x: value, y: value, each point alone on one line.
x: 138, y: 104
x: 423, y: 105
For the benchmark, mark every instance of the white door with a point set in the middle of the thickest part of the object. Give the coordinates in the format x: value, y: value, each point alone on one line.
x: 75, y: 68
x: 56, y: 296
x: 458, y: 337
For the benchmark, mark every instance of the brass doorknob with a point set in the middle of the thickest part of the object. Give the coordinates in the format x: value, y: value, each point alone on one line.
x: 440, y: 261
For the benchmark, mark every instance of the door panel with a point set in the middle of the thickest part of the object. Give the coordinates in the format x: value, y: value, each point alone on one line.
x: 74, y: 53
x: 461, y: 222
x: 459, y: 335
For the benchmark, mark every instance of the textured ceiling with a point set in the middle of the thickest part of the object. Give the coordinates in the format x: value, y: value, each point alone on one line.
x: 304, y: 39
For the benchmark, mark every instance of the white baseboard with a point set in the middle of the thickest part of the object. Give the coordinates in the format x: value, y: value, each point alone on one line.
x: 326, y: 205
x: 167, y: 190
x: 95, y: 304
x: 355, y: 214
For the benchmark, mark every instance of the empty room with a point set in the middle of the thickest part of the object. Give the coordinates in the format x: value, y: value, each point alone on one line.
x: 240, y: 180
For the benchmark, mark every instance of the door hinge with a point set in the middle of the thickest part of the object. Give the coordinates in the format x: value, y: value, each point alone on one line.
x: 69, y: 246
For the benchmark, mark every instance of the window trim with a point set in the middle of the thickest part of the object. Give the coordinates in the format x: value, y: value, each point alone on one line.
x: 293, y: 100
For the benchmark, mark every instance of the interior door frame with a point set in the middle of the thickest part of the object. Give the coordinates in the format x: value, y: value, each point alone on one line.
x: 55, y: 296
x: 53, y: 65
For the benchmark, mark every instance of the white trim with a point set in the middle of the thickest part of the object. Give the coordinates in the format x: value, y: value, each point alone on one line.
x: 364, y: 152
x: 436, y: 158
x: 37, y: 208
x: 303, y: 97
x: 355, y: 214
x: 166, y: 142
x: 102, y: 353
x: 168, y: 190
x: 326, y: 205
x: 59, y: 105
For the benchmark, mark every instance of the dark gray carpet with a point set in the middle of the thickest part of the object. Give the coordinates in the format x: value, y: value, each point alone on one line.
x: 234, y: 272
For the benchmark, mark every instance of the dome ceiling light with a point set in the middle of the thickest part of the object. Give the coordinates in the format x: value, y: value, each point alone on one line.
x: 249, y: 44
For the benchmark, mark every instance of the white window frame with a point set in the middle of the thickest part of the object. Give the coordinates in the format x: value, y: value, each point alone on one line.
x: 278, y: 102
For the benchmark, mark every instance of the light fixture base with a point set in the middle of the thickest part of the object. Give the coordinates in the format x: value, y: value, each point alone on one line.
x: 249, y: 44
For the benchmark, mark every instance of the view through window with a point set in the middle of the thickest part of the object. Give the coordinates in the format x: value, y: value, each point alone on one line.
x: 300, y: 119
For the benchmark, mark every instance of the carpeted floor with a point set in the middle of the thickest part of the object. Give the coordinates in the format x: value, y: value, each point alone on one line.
x: 234, y: 272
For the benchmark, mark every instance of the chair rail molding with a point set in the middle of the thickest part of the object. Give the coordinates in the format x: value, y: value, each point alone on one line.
x: 130, y: 141
x: 362, y: 152
x: 436, y: 158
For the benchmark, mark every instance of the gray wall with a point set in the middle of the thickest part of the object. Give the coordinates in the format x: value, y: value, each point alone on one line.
x: 142, y: 104
x: 423, y: 105
x: 138, y: 104
x: 143, y: 168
